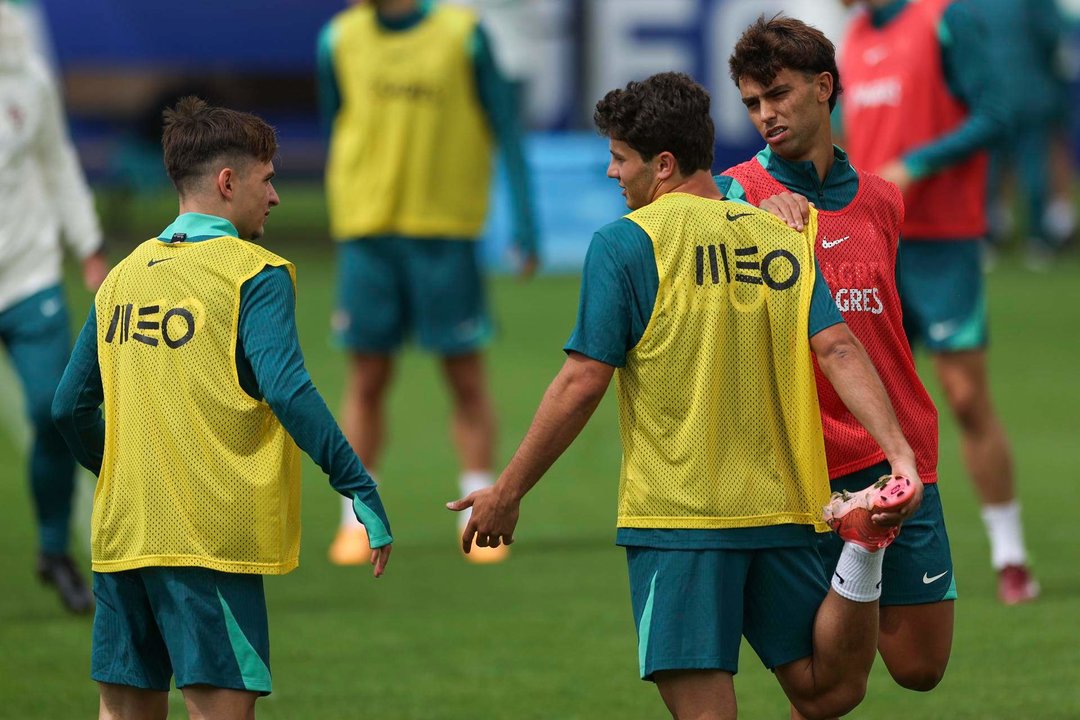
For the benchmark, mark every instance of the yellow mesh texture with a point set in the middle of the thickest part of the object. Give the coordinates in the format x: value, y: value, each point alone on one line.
x: 718, y: 404
x: 411, y: 149
x: 195, y: 472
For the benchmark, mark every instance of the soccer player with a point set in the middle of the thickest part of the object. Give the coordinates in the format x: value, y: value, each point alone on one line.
x: 786, y: 73
x: 919, y: 109
x: 191, y: 348
x: 706, y: 311
x: 413, y: 98
x: 45, y: 196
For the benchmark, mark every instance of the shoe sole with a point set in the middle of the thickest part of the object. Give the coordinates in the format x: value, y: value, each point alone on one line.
x: 850, y: 514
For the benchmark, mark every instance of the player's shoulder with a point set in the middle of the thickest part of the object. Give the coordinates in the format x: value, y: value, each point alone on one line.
x: 620, y: 234
x: 354, y: 15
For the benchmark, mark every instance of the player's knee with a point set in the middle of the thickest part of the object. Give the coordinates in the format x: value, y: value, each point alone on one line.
x: 840, y: 701
x: 919, y: 679
x: 968, y: 405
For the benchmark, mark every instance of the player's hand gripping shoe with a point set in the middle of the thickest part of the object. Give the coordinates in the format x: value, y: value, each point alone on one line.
x: 849, y: 514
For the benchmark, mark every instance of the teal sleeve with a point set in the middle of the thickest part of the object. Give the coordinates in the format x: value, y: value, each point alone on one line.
x: 968, y: 70
x: 730, y: 188
x: 271, y: 349
x: 497, y: 97
x: 823, y: 310
x: 76, y: 408
x: 329, y: 95
x: 619, y: 282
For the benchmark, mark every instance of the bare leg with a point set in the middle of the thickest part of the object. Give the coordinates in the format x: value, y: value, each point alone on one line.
x: 832, y: 681
x: 363, y: 422
x: 210, y: 703
x: 915, y: 643
x: 983, y: 442
x: 697, y: 694
x: 362, y: 408
x: 473, y: 421
x: 122, y: 702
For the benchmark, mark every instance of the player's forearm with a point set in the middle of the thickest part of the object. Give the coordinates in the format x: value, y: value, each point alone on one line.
x: 967, y: 70
x: 852, y: 374
x: 271, y: 346
x: 76, y: 408
x: 567, y: 405
x: 497, y: 97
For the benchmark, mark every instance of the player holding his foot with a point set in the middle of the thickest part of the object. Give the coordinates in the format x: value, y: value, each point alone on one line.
x: 191, y: 348
x: 45, y: 197
x: 921, y: 105
x: 414, y: 102
x: 786, y: 73
x: 707, y: 312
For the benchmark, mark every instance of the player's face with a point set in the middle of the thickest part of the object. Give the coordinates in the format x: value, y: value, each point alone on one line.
x: 253, y: 197
x: 788, y: 113
x: 636, y: 177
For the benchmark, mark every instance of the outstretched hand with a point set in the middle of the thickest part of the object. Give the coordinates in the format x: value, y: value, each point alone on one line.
x: 379, y: 558
x: 492, y: 520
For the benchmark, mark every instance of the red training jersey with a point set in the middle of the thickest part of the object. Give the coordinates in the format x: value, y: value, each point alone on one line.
x: 856, y: 250
x: 897, y: 99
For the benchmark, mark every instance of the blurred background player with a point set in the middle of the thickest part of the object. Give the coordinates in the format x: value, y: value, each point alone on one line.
x: 412, y: 97
x: 191, y: 349
x: 708, y: 370
x: 1026, y: 36
x: 786, y: 72
x: 45, y: 196
x: 919, y: 109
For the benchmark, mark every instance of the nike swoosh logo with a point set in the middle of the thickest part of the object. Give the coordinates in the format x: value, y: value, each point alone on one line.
x: 942, y: 330
x: 736, y: 216
x: 927, y: 580
x: 152, y: 263
x: 825, y: 243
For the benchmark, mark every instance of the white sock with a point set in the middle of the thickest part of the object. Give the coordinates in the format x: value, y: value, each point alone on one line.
x: 1006, y: 534
x: 858, y: 573
x: 348, y: 515
x: 1060, y: 219
x: 469, y: 482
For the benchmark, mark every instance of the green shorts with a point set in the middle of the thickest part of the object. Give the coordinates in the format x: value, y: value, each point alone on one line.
x: 918, y: 566
x: 692, y: 607
x: 391, y: 288
x: 203, y: 626
x: 942, y: 294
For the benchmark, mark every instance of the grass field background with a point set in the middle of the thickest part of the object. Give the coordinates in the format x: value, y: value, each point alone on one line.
x: 549, y: 634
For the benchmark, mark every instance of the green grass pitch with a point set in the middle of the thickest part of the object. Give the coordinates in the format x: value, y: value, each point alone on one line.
x: 549, y: 634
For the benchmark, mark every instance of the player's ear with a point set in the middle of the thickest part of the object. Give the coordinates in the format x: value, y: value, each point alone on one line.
x: 823, y: 84
x: 225, y: 180
x: 666, y: 165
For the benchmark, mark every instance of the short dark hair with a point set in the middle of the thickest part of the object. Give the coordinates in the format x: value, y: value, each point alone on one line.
x: 196, y: 134
x: 665, y: 112
x: 769, y: 46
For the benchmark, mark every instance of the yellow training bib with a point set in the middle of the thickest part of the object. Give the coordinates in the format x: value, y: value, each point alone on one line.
x: 195, y: 471
x: 717, y: 403
x: 411, y: 150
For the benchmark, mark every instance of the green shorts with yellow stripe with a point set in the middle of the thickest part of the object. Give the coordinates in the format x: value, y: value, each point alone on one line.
x: 202, y: 626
